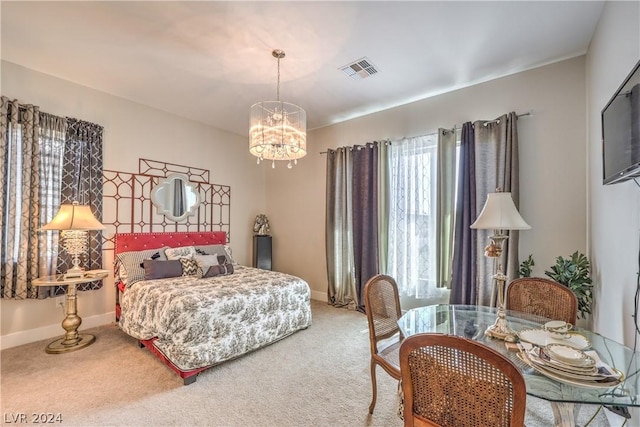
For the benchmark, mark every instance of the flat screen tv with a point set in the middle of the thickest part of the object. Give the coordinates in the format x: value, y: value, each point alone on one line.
x: 621, y: 131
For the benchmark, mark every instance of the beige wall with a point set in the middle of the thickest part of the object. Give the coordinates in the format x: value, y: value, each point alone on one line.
x: 614, y: 210
x: 552, y: 165
x: 552, y: 159
x: 131, y: 131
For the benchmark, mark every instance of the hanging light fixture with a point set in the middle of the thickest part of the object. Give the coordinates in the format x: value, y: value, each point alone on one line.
x: 278, y: 130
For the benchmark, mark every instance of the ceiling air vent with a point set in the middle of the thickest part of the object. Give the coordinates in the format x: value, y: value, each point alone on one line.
x: 360, y: 69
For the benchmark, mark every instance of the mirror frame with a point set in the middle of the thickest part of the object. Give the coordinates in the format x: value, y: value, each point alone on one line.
x: 164, y: 185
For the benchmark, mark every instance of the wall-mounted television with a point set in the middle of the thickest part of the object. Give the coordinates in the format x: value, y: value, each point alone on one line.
x: 621, y: 131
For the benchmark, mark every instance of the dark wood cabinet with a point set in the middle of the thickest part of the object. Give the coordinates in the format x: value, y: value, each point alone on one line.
x: 262, y: 252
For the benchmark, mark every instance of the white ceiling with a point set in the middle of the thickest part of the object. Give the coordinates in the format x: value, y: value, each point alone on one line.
x: 210, y: 61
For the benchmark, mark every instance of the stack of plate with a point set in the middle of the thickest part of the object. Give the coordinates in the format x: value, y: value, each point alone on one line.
x: 572, y: 366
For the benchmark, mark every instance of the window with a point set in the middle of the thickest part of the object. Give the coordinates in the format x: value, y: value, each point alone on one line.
x: 413, y: 215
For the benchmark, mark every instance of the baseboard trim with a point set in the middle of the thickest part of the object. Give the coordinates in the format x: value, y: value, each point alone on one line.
x: 319, y: 296
x: 51, y: 331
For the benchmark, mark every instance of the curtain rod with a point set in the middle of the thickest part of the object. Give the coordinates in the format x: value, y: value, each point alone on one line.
x: 366, y: 145
x: 529, y: 113
x: 486, y: 122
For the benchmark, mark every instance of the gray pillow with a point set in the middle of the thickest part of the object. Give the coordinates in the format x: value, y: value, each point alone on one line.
x: 216, y: 250
x: 128, y: 264
x: 154, y: 269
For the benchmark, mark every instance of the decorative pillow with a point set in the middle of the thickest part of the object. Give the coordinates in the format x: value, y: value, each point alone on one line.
x: 206, y: 261
x: 227, y: 250
x: 154, y: 256
x: 129, y: 264
x: 161, y: 269
x: 190, y: 267
x: 182, y: 252
x: 214, y: 250
x: 219, y: 270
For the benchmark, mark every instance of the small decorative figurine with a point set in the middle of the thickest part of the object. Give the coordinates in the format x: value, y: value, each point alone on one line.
x: 261, y: 225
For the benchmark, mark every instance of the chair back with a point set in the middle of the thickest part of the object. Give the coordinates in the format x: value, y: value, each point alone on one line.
x: 451, y: 381
x: 382, y: 305
x: 542, y: 297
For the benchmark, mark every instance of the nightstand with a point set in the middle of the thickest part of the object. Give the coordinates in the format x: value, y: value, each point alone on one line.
x: 262, y: 252
x: 72, y: 340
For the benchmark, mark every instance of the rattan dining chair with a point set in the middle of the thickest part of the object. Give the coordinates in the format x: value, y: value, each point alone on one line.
x: 542, y: 297
x: 382, y: 305
x: 450, y: 381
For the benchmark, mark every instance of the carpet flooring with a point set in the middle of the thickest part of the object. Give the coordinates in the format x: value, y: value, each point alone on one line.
x: 316, y: 377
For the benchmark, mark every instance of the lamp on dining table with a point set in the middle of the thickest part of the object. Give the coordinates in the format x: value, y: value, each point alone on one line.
x: 499, y: 214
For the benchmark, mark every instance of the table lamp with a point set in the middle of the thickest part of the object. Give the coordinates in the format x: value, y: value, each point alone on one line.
x: 499, y: 213
x: 74, y: 220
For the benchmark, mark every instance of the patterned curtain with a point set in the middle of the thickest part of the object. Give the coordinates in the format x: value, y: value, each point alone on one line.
x: 82, y: 182
x: 53, y: 132
x: 20, y: 198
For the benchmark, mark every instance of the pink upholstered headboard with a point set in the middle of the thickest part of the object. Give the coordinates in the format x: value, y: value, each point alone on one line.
x: 126, y: 242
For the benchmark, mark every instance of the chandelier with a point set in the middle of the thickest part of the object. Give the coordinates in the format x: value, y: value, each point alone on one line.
x: 278, y: 130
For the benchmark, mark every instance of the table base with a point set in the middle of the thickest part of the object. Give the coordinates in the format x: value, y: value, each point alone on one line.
x: 563, y: 414
x: 57, y: 347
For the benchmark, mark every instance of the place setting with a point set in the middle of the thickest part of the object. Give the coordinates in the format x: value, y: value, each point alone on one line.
x: 560, y: 354
x: 555, y: 332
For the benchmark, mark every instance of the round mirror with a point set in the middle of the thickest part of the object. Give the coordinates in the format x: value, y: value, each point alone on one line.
x: 175, y: 197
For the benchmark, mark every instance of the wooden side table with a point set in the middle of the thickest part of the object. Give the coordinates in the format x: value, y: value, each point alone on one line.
x: 72, y: 340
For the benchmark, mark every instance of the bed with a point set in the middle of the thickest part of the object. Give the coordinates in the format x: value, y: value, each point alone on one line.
x: 192, y: 323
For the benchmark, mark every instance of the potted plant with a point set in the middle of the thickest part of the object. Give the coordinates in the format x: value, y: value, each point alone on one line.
x: 525, y: 267
x: 574, y: 273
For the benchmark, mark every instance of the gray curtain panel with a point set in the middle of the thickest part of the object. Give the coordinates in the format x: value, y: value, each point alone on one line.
x: 19, y: 186
x: 463, y: 274
x: 383, y: 206
x: 445, y: 205
x: 495, y: 165
x: 341, y: 291
x: 365, y: 216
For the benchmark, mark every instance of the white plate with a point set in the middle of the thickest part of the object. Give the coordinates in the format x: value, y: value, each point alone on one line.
x: 541, y: 338
x: 583, y: 370
x: 578, y: 383
x: 569, y: 355
x: 537, y: 363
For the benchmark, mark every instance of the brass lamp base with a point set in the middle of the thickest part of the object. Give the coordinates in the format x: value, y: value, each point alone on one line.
x: 61, y: 346
x: 500, y: 329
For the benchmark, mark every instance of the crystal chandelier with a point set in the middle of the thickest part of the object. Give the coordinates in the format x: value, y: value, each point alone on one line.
x: 278, y: 130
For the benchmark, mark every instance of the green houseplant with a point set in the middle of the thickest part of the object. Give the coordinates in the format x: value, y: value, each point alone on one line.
x: 574, y: 273
x: 525, y: 267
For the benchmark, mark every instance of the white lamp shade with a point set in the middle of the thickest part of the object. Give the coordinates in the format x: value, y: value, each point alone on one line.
x: 74, y: 217
x: 500, y: 213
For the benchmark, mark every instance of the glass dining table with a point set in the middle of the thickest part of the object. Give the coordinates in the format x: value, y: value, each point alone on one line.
x: 472, y: 321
